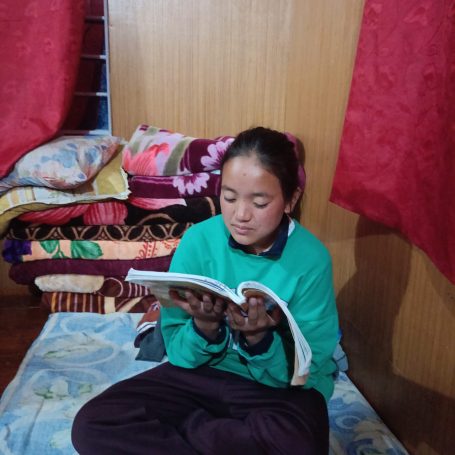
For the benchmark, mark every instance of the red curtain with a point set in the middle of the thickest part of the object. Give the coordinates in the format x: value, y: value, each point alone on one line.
x: 397, y: 156
x: 39, y: 57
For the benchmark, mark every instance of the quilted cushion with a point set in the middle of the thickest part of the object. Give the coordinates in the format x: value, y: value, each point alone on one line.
x: 63, y: 163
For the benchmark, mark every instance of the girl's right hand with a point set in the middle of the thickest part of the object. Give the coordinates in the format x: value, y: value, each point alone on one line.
x: 207, y: 312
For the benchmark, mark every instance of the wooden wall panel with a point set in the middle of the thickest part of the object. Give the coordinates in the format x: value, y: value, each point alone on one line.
x: 208, y: 71
x: 398, y: 318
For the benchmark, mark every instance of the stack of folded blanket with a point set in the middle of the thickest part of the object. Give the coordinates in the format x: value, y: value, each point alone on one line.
x: 83, y: 211
x: 78, y: 251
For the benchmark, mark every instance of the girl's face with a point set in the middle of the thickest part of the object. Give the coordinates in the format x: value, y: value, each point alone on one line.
x: 252, y: 203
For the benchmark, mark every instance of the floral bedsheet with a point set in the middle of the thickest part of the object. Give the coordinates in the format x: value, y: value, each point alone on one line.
x: 77, y: 355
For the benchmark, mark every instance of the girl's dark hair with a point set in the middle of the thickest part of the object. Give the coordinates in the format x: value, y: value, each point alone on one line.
x: 274, y: 151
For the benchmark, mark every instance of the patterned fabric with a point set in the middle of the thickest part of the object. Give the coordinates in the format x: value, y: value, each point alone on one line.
x: 88, y: 284
x: 134, y: 212
x: 26, y: 272
x: 157, y: 231
x: 40, y: 52
x: 66, y: 162
x: 111, y: 182
x: 77, y: 356
x: 197, y: 184
x: 110, y: 212
x: 15, y: 251
x: 97, y: 303
x: 154, y: 151
x: 69, y: 283
x: 118, y: 287
x: 104, y: 212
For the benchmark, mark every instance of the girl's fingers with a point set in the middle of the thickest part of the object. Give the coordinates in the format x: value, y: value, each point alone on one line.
x: 176, y: 298
x: 203, y: 308
x: 193, y: 301
x: 206, y: 304
x: 235, y: 317
x: 230, y: 316
x: 174, y: 295
x: 253, y: 311
x: 219, y: 306
x: 257, y: 317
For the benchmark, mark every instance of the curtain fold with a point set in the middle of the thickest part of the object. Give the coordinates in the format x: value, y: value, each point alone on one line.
x: 397, y: 155
x: 39, y: 54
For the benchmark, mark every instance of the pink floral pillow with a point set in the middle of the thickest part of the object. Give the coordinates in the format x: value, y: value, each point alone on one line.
x: 154, y: 151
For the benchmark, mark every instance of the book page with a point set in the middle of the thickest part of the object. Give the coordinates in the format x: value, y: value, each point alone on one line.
x: 160, y: 283
x: 163, y: 288
x: 302, y: 349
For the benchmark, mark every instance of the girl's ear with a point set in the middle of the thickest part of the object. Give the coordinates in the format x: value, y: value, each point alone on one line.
x: 291, y: 204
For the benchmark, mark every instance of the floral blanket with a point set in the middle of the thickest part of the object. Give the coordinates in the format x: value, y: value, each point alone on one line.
x: 16, y: 251
x: 156, y: 151
x: 78, y: 355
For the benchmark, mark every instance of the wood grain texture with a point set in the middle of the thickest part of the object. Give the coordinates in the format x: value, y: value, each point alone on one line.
x: 209, y: 69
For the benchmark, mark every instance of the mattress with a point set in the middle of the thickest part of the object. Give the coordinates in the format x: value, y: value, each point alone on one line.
x: 78, y: 355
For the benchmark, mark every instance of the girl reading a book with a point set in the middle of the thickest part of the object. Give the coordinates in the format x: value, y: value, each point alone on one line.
x: 228, y: 385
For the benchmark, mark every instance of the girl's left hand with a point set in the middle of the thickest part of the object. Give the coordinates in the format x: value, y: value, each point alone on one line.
x: 255, y: 324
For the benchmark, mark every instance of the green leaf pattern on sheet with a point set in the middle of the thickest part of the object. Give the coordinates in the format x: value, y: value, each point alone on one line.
x: 85, y: 388
x: 49, y: 245
x: 85, y: 249
x: 56, y: 391
x: 80, y: 249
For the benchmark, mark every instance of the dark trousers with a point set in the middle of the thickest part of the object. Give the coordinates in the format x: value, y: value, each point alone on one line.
x: 178, y: 411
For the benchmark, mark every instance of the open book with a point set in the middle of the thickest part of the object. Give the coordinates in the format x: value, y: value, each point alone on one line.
x: 160, y: 283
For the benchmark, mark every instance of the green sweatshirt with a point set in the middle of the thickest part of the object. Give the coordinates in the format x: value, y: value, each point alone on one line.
x: 301, y: 275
